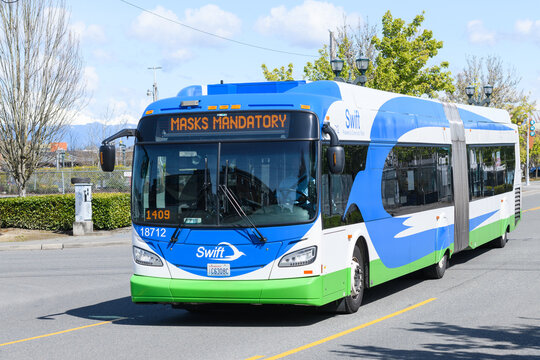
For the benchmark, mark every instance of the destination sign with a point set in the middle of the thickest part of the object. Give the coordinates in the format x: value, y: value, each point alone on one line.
x: 236, y: 122
x: 257, y: 124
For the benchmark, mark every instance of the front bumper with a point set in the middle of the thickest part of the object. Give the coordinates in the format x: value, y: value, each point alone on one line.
x: 300, y: 291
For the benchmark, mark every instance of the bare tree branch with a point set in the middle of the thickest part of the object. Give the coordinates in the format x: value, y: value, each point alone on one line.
x: 482, y: 71
x: 41, y: 82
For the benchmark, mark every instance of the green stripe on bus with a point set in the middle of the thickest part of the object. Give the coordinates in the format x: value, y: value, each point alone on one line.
x: 315, y: 290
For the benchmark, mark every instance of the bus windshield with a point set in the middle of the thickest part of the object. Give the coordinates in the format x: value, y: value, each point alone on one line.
x: 183, y: 184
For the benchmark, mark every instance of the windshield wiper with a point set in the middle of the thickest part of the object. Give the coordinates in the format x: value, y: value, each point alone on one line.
x: 203, y: 191
x: 238, y: 208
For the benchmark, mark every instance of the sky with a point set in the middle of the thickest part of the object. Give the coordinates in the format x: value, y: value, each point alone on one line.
x: 119, y: 42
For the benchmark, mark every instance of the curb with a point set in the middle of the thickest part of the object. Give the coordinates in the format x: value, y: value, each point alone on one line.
x: 61, y: 246
x: 94, y: 244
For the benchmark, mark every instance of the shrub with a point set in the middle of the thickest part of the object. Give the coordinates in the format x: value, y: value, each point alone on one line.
x: 57, y: 212
x: 111, y: 211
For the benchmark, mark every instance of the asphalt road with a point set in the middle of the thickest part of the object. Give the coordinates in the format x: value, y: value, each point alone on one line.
x: 74, y: 304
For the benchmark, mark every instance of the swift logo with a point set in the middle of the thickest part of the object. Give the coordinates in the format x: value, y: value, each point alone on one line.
x: 352, y: 120
x: 217, y: 253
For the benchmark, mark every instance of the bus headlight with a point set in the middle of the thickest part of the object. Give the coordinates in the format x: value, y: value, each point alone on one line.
x: 143, y: 257
x: 299, y: 258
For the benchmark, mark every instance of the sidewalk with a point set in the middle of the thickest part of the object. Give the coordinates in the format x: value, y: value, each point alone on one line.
x: 98, y: 238
x: 534, y: 185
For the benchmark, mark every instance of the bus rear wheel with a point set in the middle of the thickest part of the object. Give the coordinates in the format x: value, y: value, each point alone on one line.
x: 351, y: 303
x: 436, y: 271
x: 501, y: 241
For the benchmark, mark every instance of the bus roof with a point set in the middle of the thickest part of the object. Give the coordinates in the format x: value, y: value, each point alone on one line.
x: 315, y: 96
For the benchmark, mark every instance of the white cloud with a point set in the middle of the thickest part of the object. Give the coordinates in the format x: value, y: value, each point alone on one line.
x: 478, y: 34
x: 81, y: 119
x: 524, y: 26
x: 209, y: 18
x: 305, y: 25
x: 86, y: 118
x: 85, y: 32
x: 117, y: 106
x: 91, y: 78
x: 528, y: 29
x: 181, y: 54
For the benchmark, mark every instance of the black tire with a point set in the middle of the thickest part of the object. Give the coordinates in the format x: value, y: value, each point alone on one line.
x: 77, y: 180
x: 501, y: 241
x: 436, y: 271
x: 351, y: 303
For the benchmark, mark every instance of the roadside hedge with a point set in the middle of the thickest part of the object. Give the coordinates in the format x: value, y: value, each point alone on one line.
x: 57, y: 212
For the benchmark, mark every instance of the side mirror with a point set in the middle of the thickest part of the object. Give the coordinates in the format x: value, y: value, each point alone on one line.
x: 335, y: 155
x: 107, y: 157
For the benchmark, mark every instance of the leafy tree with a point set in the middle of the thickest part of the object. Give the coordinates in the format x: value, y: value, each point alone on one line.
x: 399, y: 58
x: 40, y: 82
x: 278, y: 74
x: 403, y: 52
x: 320, y: 69
x: 534, y: 152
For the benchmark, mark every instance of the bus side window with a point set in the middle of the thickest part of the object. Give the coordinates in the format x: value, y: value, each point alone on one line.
x: 336, y: 188
x: 416, y: 178
x: 491, y: 170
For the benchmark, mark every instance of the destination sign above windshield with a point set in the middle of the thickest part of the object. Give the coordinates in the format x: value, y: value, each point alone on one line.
x: 226, y: 122
x: 230, y: 125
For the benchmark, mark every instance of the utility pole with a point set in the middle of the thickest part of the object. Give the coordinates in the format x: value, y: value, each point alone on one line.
x: 332, y: 50
x: 154, y: 87
x: 527, y: 163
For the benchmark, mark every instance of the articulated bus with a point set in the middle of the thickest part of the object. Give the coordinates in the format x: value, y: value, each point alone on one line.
x: 309, y: 193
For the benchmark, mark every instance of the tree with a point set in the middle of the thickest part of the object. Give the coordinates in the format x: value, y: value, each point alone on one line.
x: 107, y: 126
x: 40, y: 82
x: 403, y: 53
x: 506, y: 93
x: 320, y: 69
x: 399, y: 58
x: 278, y: 74
x: 350, y: 45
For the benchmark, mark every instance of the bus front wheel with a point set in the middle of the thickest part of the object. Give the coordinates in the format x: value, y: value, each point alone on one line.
x: 351, y: 303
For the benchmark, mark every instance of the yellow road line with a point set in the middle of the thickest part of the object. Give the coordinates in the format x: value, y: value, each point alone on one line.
x: 255, y: 357
x: 61, y: 332
x: 533, y: 209
x: 335, y: 336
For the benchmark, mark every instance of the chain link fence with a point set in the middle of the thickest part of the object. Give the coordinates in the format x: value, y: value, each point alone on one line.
x: 59, y: 182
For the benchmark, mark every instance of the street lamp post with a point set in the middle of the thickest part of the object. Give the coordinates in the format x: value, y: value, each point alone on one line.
x: 470, y: 90
x: 362, y: 65
x: 154, y: 92
x: 123, y: 148
x: 62, y: 154
x: 337, y: 67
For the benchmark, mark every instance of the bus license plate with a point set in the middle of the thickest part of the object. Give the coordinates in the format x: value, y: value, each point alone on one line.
x: 218, y: 269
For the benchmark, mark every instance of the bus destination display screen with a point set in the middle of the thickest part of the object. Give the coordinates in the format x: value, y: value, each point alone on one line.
x: 230, y: 125
x: 275, y: 123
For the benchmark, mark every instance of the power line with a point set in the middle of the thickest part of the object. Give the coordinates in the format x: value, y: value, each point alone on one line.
x: 215, y: 35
